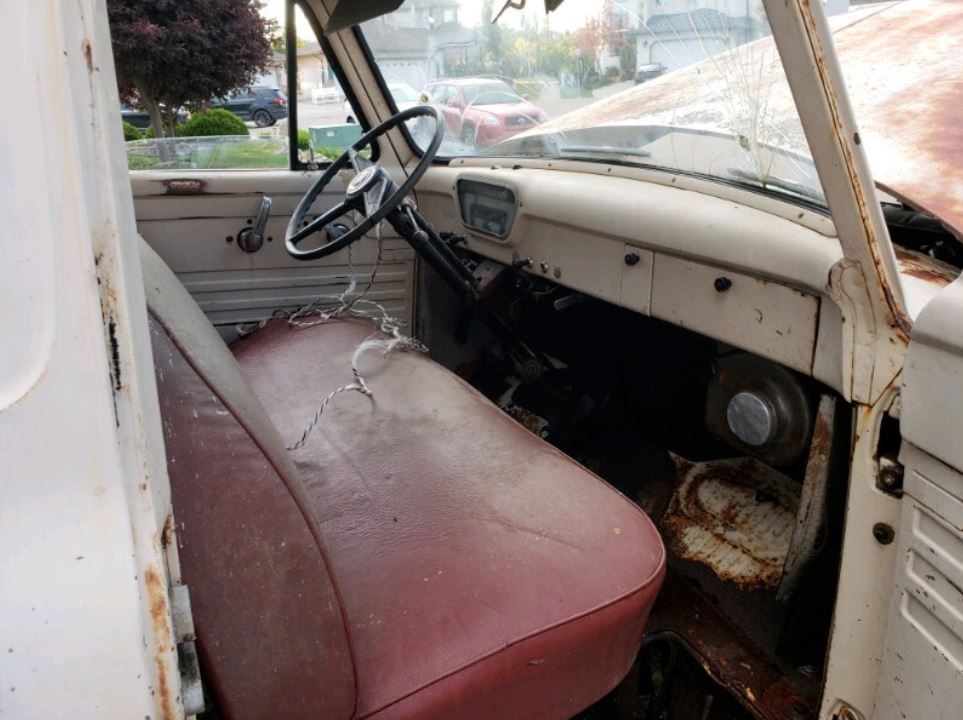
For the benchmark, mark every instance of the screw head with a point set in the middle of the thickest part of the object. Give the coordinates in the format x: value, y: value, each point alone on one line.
x: 883, y: 533
x: 632, y: 259
x: 722, y: 284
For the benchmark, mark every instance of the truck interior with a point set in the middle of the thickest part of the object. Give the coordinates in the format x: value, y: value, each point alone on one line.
x: 475, y: 438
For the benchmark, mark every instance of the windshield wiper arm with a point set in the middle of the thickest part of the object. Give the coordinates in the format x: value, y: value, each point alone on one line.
x: 778, y: 183
x: 603, y: 150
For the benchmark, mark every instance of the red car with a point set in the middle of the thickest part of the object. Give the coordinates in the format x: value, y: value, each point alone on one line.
x: 483, y: 111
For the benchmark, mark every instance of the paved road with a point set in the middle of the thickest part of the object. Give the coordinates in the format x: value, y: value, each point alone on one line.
x: 309, y: 114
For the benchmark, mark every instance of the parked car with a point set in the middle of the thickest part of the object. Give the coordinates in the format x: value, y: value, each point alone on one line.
x: 262, y: 105
x: 649, y: 71
x: 141, y: 120
x: 482, y: 111
x: 404, y: 96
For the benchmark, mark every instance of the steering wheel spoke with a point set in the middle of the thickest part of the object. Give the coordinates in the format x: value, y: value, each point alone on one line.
x: 372, y: 190
x: 324, y: 219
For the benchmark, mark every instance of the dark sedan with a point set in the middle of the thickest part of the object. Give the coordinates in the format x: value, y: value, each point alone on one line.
x: 141, y: 120
x: 649, y: 71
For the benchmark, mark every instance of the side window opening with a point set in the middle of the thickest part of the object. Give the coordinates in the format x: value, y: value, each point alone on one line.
x: 235, y: 110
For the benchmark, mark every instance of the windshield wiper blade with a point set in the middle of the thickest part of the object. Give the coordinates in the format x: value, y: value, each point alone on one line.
x: 603, y: 150
x: 769, y: 181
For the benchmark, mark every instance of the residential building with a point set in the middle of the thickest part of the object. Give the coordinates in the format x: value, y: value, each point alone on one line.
x: 677, y: 33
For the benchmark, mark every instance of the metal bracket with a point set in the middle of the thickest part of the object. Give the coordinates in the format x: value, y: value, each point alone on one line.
x: 889, y: 476
x: 192, y: 691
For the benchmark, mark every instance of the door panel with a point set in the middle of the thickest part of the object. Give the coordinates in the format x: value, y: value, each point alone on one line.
x: 922, y: 666
x: 196, y: 234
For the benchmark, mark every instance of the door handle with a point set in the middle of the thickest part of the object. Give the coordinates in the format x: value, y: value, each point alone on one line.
x: 251, y: 238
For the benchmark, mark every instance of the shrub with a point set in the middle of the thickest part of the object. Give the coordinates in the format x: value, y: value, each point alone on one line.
x: 131, y: 133
x: 304, y: 140
x: 212, y: 122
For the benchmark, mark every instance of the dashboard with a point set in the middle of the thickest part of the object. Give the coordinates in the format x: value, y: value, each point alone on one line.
x: 748, y: 274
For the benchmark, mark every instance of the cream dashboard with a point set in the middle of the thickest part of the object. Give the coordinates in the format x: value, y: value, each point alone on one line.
x: 752, y: 277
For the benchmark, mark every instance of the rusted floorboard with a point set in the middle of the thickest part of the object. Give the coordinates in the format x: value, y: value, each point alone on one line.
x: 728, y: 657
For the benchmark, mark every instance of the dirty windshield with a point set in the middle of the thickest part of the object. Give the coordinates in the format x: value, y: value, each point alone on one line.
x: 692, y: 86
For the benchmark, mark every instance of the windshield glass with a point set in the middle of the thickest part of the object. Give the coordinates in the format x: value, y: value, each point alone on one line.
x: 496, y: 93
x: 692, y: 86
x: 403, y: 93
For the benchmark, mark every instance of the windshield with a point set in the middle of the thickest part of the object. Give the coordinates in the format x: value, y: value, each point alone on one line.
x: 403, y: 93
x: 496, y: 93
x: 690, y: 86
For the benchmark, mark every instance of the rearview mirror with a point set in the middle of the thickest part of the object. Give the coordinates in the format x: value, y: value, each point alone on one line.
x: 346, y: 13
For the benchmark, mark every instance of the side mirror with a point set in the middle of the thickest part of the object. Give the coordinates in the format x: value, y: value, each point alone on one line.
x: 453, y: 103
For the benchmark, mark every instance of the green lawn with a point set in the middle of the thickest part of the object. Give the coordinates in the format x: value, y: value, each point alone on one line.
x: 248, y: 154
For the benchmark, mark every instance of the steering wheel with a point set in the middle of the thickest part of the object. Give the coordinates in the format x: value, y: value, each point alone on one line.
x: 371, y: 192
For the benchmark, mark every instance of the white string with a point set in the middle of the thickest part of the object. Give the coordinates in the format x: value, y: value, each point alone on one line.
x: 346, y: 307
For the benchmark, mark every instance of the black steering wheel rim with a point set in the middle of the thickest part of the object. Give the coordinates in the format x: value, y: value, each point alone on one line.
x: 295, y: 233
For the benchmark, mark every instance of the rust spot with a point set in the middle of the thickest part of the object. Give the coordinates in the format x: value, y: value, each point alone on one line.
x: 88, y: 54
x: 185, y: 186
x: 157, y: 606
x: 923, y: 267
x: 167, y: 535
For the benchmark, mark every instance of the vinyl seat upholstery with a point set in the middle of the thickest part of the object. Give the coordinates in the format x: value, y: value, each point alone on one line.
x: 421, y: 556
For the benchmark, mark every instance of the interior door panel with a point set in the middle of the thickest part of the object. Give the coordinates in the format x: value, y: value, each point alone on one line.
x: 194, y: 226
x: 923, y: 656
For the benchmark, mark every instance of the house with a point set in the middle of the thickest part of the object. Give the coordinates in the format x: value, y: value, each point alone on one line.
x: 314, y: 71
x: 274, y: 75
x: 677, y: 33
x: 420, y: 41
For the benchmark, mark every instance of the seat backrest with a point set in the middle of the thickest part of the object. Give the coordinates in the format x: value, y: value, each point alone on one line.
x: 267, y: 611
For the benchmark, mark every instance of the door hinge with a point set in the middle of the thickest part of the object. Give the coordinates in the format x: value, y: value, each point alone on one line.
x: 192, y: 691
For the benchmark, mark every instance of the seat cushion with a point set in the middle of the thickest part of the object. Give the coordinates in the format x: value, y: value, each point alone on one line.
x: 483, y: 574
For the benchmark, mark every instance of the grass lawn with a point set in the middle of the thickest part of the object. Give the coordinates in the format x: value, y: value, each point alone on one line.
x: 244, y: 155
x: 221, y: 154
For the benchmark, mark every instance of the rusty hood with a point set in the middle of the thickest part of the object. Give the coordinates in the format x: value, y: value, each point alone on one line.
x: 903, y: 64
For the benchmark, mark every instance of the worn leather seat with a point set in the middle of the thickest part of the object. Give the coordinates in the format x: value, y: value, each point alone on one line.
x: 422, y: 556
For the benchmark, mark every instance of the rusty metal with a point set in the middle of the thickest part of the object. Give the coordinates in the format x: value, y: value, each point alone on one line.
x: 157, y: 606
x: 902, y: 68
x: 185, y: 186
x: 759, y: 685
x: 736, y: 517
x: 811, y: 518
x: 923, y: 267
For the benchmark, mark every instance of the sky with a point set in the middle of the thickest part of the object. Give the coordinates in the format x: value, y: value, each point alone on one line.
x: 570, y: 16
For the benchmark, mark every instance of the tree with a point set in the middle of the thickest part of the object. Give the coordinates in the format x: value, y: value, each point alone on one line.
x: 491, y: 33
x: 171, y: 53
